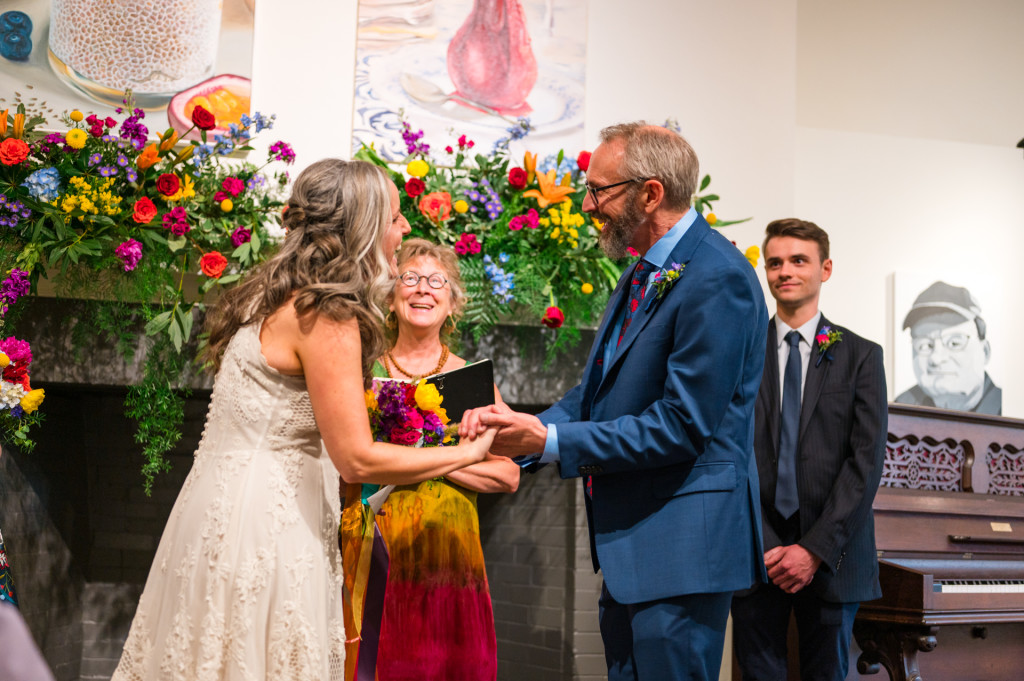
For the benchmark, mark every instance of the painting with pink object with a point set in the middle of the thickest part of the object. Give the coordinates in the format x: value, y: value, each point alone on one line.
x: 498, y: 71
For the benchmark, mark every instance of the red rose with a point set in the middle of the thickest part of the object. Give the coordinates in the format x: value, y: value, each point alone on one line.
x: 583, y: 160
x: 414, y: 186
x: 13, y: 151
x: 168, y: 184
x: 212, y: 264
x: 203, y: 119
x: 145, y: 210
x: 553, y: 318
x: 517, y: 178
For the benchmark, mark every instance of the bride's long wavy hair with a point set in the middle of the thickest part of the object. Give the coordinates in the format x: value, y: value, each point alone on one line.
x: 332, y: 258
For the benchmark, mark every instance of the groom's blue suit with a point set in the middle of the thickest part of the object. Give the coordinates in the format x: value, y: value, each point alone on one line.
x: 666, y: 430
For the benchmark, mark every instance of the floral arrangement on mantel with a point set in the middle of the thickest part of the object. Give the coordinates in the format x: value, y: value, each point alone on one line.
x: 106, y: 197
x: 527, y: 251
x: 19, y: 403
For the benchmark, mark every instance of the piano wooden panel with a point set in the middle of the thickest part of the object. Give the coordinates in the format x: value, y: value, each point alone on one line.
x: 949, y: 518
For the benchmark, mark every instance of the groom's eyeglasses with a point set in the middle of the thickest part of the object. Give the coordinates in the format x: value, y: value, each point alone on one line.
x: 592, y: 190
x: 411, y: 279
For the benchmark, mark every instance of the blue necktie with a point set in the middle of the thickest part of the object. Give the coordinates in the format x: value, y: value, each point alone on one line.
x: 786, y: 500
x: 637, y: 287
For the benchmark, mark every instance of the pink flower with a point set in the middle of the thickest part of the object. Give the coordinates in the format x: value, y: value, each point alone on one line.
x: 240, y: 236
x: 404, y: 436
x: 18, y: 351
x: 130, y: 253
x: 233, y: 186
x: 632, y: 251
x: 413, y: 419
x: 467, y: 244
x: 583, y: 160
x: 529, y: 219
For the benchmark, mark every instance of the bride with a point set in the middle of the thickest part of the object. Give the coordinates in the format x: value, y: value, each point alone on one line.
x: 246, y: 583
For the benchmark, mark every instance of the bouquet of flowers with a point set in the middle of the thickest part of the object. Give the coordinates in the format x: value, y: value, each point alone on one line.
x: 407, y: 414
x: 527, y: 251
x: 18, y: 401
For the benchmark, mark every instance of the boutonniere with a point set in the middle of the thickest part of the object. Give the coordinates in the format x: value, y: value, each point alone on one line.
x: 666, y: 278
x: 826, y: 338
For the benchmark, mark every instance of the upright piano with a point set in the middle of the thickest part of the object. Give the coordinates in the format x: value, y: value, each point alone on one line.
x: 949, y: 528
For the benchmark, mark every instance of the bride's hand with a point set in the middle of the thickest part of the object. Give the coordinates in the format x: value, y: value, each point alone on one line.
x: 481, y: 444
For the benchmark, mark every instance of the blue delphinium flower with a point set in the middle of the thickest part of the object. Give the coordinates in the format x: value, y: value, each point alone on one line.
x: 503, y: 282
x: 43, y: 184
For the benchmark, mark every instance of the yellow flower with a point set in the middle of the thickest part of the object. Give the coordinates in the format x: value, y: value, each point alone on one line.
x: 31, y: 401
x: 186, y: 190
x: 530, y: 165
x: 587, y: 288
x: 752, y: 254
x: 427, y: 396
x: 77, y: 116
x: 169, y: 139
x: 549, y: 192
x: 460, y: 206
x: 597, y: 223
x: 371, y: 400
x: 226, y: 205
x: 418, y: 168
x: 712, y: 218
x: 76, y: 138
x: 4, y: 360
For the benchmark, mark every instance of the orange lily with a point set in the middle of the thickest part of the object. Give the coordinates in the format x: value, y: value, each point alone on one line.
x: 549, y: 192
x: 19, y: 125
x: 148, y: 157
x: 530, y: 165
x: 3, y: 122
x: 169, y: 140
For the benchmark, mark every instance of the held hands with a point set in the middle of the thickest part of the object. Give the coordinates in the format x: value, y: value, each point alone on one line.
x: 517, y: 433
x: 792, y: 567
x: 479, y: 446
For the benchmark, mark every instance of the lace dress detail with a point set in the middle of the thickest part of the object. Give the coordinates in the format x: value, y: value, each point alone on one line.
x: 247, y: 583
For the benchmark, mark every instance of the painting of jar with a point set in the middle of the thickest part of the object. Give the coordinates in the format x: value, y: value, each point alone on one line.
x: 154, y: 47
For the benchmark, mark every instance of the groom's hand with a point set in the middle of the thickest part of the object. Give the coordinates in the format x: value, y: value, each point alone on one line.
x: 517, y: 433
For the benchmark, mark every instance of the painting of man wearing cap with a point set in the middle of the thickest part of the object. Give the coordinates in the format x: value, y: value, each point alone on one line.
x: 950, y: 351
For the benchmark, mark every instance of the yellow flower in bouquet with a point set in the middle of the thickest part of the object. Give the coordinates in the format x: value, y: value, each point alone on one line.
x: 4, y: 360
x: 31, y: 401
x: 429, y: 399
x: 371, y: 400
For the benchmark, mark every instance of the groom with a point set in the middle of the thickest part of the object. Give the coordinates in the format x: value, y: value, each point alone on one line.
x: 661, y: 428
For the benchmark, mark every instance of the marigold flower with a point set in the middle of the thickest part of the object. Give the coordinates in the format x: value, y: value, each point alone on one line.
x: 31, y: 401
x: 76, y: 138
x: 226, y: 205
x: 711, y: 218
x: 752, y: 254
x: 587, y: 288
x: 460, y: 206
x: 76, y: 116
x: 148, y: 157
x: 212, y: 264
x: 418, y: 168
x: 4, y: 360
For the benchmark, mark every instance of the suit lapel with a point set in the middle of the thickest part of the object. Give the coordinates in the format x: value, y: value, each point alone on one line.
x: 595, y: 363
x: 816, y: 373
x: 682, y: 254
x: 770, y: 385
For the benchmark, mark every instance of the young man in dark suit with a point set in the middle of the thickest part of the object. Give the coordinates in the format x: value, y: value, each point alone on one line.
x: 820, y: 429
x: 661, y: 427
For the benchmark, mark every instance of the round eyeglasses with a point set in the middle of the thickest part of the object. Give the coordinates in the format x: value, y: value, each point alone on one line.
x: 411, y: 279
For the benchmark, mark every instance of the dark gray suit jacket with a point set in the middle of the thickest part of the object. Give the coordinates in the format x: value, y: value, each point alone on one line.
x: 841, y: 449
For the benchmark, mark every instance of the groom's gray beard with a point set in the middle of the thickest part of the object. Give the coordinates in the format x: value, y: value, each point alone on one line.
x: 617, y: 233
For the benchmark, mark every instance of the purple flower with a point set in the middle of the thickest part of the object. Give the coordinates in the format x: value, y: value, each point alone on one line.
x: 240, y: 236
x: 17, y: 412
x: 412, y: 140
x: 281, y: 151
x: 108, y: 171
x: 95, y: 158
x: 130, y: 253
x: 122, y: 160
x: 13, y: 287
x: 131, y: 174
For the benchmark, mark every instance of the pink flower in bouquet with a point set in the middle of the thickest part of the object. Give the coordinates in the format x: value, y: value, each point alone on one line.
x: 467, y: 244
x: 240, y: 236
x: 553, y: 317
x: 405, y: 436
x: 130, y: 253
x: 233, y: 186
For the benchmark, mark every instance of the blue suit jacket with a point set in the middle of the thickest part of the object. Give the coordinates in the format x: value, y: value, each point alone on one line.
x: 668, y: 431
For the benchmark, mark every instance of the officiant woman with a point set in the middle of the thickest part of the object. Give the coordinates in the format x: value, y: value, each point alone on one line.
x: 437, y: 622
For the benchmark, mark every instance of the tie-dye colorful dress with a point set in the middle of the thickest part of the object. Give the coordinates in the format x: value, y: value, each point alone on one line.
x: 437, y: 622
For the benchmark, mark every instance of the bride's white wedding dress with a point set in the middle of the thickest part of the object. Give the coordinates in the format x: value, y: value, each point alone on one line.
x: 247, y: 583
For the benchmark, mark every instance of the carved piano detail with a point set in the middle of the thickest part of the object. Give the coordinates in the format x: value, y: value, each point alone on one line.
x: 951, y: 561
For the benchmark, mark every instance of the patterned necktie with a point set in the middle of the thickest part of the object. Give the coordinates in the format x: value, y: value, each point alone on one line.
x: 637, y: 287
x: 786, y: 499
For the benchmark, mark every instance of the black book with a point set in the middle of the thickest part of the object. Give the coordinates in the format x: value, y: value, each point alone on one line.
x: 465, y: 388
